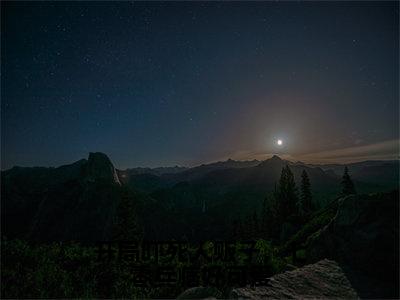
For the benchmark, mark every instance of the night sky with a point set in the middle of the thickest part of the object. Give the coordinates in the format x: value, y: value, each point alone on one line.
x: 159, y: 84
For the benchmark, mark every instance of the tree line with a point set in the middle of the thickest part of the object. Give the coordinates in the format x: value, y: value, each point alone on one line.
x: 286, y: 210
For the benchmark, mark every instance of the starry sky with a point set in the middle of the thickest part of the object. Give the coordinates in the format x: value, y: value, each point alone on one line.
x: 183, y: 83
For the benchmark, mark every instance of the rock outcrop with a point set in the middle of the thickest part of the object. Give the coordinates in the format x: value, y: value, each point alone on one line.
x: 99, y: 166
x: 201, y: 293
x: 364, y: 237
x: 71, y: 202
x: 323, y: 280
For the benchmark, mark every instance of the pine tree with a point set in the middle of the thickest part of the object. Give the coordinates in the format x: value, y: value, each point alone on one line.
x: 306, y: 205
x: 347, y: 183
x: 286, y: 195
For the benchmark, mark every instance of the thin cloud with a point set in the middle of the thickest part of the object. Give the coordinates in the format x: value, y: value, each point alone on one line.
x: 379, y: 151
x: 382, y: 150
x: 250, y: 155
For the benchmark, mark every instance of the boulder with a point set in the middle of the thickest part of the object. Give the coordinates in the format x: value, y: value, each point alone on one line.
x: 323, y: 280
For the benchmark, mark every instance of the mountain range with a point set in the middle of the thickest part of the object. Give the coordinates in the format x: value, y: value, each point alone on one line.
x: 79, y: 201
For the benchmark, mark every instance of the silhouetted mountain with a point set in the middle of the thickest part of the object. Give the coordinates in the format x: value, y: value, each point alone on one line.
x: 198, y: 172
x: 382, y: 172
x: 265, y: 174
x: 154, y: 171
x: 75, y: 201
x: 370, y: 176
x: 99, y: 167
x: 153, y: 179
x: 79, y: 201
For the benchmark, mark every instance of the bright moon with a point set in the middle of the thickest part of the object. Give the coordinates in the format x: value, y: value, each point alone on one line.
x: 279, y: 142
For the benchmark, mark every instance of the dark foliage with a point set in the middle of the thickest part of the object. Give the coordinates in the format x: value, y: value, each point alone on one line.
x: 347, y: 183
x: 70, y: 270
x: 286, y: 196
x: 306, y: 205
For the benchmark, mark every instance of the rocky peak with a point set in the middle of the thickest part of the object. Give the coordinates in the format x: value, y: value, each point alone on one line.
x: 275, y: 158
x: 99, y: 166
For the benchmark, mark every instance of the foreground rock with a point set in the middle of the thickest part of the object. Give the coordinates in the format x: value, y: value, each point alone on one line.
x: 324, y: 279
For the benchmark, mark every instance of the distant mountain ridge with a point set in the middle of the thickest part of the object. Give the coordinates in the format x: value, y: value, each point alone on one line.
x: 154, y: 171
x: 79, y: 200
x: 198, y: 171
x: 384, y: 173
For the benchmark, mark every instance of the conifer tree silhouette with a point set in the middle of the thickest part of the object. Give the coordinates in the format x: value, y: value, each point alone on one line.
x: 347, y: 183
x: 286, y: 195
x: 306, y: 204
